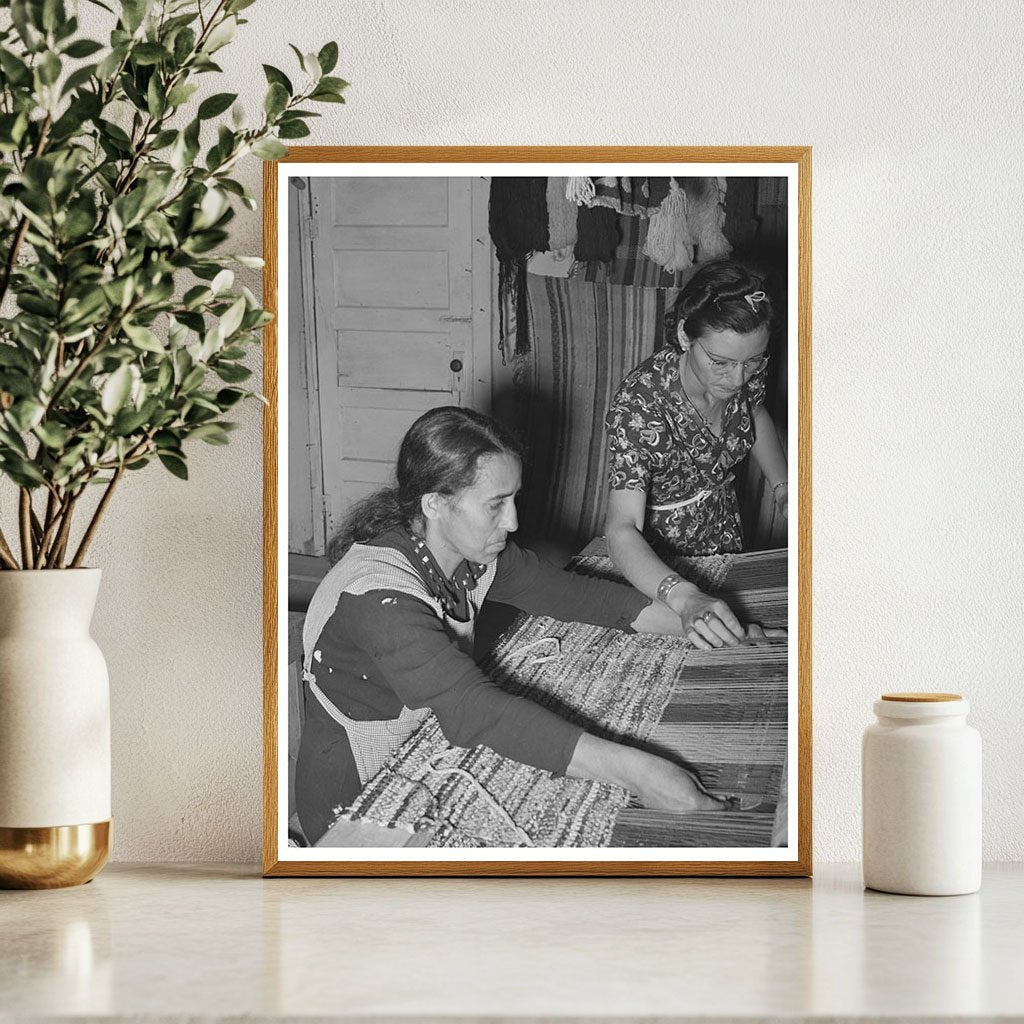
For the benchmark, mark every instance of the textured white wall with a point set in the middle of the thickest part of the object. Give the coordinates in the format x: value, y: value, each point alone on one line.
x: 913, y: 110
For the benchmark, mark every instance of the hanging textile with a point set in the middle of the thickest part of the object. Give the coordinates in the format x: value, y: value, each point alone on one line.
x: 635, y: 197
x: 518, y: 217
x: 561, y: 216
x: 587, y: 338
x: 629, y: 266
x: 688, y: 217
x: 597, y: 233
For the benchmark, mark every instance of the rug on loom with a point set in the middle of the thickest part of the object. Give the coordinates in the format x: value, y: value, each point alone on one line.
x: 727, y: 717
x: 592, y: 680
x: 728, y: 713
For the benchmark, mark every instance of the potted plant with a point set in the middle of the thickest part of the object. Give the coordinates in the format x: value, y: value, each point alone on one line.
x: 122, y: 339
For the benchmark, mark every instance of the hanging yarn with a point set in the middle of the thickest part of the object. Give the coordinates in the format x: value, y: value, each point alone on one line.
x: 706, y: 217
x: 518, y: 217
x: 561, y: 216
x: 579, y: 191
x: 669, y: 242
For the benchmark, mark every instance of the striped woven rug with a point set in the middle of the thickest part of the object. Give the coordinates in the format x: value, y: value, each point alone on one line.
x: 727, y: 718
x: 587, y: 338
x: 722, y: 713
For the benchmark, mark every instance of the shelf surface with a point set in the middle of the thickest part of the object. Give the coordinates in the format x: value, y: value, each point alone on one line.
x: 180, y: 941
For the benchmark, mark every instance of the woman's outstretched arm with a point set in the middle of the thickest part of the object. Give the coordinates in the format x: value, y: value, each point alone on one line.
x: 658, y: 783
x: 645, y: 570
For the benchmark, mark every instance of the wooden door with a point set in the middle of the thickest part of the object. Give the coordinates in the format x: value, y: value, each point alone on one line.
x: 396, y: 307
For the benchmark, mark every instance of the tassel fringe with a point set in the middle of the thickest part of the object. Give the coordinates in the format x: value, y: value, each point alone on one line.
x: 580, y: 191
x: 669, y: 242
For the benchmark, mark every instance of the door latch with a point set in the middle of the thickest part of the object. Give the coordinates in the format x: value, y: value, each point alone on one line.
x: 458, y: 382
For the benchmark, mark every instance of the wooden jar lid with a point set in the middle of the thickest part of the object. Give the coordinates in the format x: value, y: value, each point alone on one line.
x: 921, y: 698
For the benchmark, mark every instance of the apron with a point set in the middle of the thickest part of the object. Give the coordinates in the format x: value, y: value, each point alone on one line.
x: 363, y: 569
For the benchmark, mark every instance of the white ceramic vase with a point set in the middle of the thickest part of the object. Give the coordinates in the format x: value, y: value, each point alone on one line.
x: 54, y: 731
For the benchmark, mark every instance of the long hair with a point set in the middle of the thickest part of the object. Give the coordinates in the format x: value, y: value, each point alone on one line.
x: 440, y: 453
x: 716, y: 299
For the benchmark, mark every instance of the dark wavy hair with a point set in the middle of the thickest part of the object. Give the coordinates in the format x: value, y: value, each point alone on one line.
x: 714, y: 300
x: 440, y: 453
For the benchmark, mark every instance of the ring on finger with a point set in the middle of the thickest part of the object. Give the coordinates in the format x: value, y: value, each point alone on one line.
x: 706, y: 617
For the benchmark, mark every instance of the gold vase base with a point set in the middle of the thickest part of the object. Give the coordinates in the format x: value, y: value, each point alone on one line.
x: 53, y: 857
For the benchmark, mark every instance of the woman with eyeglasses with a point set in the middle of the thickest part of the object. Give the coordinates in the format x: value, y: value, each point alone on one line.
x: 678, y: 425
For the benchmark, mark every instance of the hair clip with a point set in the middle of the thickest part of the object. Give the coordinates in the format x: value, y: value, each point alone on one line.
x: 753, y: 298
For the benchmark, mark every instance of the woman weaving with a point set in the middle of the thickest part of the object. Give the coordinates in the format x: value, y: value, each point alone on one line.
x: 678, y: 425
x: 388, y: 635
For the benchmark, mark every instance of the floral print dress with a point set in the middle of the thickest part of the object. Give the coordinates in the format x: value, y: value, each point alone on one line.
x: 658, y: 443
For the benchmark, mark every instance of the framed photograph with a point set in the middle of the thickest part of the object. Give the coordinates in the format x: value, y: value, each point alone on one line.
x: 538, y: 511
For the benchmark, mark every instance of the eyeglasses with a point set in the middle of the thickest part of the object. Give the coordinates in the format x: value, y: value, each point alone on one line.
x: 725, y: 366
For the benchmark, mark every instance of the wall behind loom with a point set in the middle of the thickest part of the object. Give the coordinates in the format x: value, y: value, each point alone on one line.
x: 914, y: 120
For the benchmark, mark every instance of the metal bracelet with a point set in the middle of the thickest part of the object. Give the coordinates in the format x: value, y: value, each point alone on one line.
x: 666, y: 585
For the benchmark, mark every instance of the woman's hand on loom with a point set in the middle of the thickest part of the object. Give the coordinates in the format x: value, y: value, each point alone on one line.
x: 664, y: 786
x: 707, y: 621
x: 658, y: 783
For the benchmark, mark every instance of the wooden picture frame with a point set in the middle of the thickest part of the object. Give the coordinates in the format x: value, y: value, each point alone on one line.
x: 785, y: 169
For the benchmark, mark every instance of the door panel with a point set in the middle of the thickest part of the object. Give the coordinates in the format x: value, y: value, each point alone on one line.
x: 398, y: 202
x: 376, y: 433
x: 393, y: 267
x: 366, y: 278
x: 399, y: 359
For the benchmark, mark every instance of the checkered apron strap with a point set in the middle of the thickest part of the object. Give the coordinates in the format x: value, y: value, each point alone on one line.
x: 373, y: 743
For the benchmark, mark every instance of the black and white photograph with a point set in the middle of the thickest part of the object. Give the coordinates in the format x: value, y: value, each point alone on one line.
x: 537, y: 523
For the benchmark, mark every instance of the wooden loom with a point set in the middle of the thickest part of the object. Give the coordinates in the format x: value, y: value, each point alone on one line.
x: 727, y: 718
x: 722, y: 712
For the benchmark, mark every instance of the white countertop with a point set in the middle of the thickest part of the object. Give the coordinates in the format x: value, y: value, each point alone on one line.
x: 216, y: 941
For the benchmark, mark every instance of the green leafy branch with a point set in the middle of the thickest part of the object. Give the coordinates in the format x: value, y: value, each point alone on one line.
x: 125, y: 335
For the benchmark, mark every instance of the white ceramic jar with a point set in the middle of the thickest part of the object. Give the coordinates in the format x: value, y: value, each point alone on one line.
x: 921, y: 779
